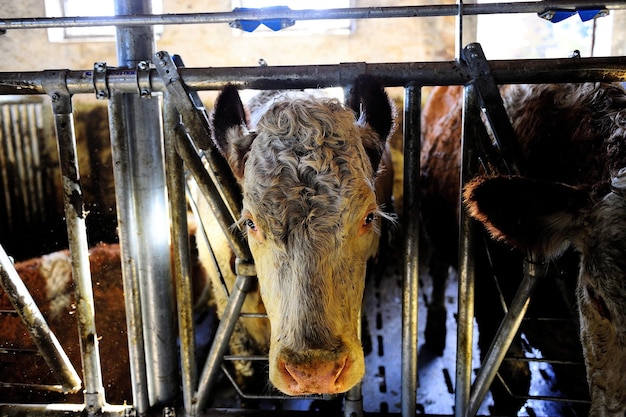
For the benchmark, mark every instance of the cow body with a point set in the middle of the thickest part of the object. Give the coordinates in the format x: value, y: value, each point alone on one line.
x: 543, y: 219
x: 568, y: 133
x: 49, y: 280
x: 307, y: 170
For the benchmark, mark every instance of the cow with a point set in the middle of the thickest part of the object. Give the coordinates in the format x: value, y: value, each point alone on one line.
x: 568, y: 133
x: 49, y: 280
x: 542, y: 219
x: 308, y: 168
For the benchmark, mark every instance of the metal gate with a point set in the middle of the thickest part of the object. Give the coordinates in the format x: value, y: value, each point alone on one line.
x: 151, y: 86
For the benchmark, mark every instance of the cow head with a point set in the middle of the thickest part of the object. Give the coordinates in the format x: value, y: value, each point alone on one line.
x: 307, y: 169
x: 543, y: 219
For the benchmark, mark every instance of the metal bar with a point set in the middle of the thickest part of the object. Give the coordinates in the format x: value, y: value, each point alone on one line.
x: 466, y: 262
x: 60, y: 410
x: 145, y: 18
x: 44, y: 339
x: 500, y: 345
x: 219, y: 346
x: 196, y: 122
x: 211, y: 193
x: 77, y: 236
x: 145, y: 210
x: 124, y: 80
x: 181, y: 252
x: 410, y: 299
x: 122, y: 174
x: 496, y: 115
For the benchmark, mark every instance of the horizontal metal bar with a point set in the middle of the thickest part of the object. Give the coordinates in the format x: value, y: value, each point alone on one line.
x: 124, y: 80
x: 308, y: 14
x: 245, y: 358
x: 61, y: 410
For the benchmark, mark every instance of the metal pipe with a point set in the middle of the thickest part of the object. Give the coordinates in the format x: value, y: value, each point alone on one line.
x: 181, y: 252
x: 143, y: 216
x: 124, y: 80
x: 44, y: 339
x: 209, y: 191
x: 465, y: 319
x: 145, y: 18
x: 505, y: 335
x: 122, y: 175
x: 196, y: 123
x: 243, y: 283
x: 75, y: 214
x: 412, y: 129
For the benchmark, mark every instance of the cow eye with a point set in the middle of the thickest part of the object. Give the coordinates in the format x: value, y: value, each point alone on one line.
x: 250, y: 224
x: 369, y: 219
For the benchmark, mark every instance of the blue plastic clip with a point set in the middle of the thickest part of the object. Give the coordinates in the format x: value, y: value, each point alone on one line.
x: 273, y: 24
x: 555, y: 16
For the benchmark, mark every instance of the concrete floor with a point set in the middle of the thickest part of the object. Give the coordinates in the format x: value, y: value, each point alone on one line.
x: 435, y: 392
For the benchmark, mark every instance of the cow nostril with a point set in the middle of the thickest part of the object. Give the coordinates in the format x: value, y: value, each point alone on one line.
x: 314, y: 377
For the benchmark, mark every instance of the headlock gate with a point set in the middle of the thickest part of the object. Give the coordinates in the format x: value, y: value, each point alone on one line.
x: 158, y: 128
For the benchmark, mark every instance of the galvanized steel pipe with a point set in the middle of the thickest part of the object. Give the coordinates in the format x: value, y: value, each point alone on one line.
x: 143, y: 217
x: 465, y: 317
x: 412, y: 129
x: 145, y: 18
x: 505, y: 335
x: 180, y: 252
x: 75, y: 214
x: 125, y: 80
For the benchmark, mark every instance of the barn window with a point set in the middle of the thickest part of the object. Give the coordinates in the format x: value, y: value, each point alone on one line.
x: 72, y: 8
x: 520, y: 36
x: 302, y: 27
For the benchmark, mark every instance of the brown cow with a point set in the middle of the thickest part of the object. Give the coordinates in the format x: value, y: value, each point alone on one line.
x: 569, y: 133
x: 307, y: 169
x: 49, y: 280
x: 544, y: 218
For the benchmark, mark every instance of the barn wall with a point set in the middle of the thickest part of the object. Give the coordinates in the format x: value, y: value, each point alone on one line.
x: 375, y: 40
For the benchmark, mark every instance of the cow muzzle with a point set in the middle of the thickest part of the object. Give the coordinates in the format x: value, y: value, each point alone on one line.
x: 316, y: 372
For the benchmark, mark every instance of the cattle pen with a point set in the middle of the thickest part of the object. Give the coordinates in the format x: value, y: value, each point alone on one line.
x: 151, y: 95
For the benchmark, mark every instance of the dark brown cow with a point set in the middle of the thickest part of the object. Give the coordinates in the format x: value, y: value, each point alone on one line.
x: 543, y: 219
x: 569, y: 133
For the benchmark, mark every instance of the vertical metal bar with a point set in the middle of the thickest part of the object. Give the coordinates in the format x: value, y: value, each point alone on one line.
x: 506, y: 332
x: 181, y: 251
x: 44, y: 339
x: 465, y: 319
x: 77, y: 237
x: 458, y: 40
x: 412, y: 129
x: 122, y: 175
x: 353, y: 400
x: 143, y: 216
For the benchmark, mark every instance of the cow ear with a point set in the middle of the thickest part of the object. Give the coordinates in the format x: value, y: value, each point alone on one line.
x: 535, y: 216
x: 370, y: 102
x: 229, y: 123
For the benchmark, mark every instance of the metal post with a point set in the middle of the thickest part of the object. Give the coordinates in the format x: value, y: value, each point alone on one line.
x: 507, y: 331
x: 180, y: 243
x: 77, y: 238
x: 141, y: 194
x: 412, y: 111
x: 465, y: 319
